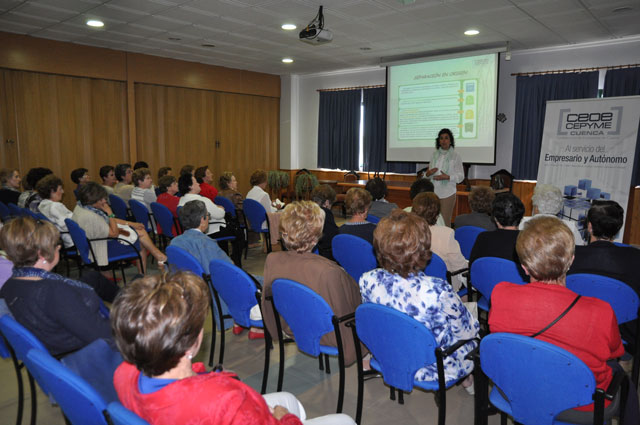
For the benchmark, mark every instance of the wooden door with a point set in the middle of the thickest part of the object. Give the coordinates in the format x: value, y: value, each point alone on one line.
x: 9, y: 157
x: 248, y: 135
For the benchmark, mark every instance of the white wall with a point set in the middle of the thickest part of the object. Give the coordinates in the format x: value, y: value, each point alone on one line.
x: 299, y: 149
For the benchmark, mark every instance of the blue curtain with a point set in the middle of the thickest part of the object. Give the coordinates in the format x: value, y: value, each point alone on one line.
x: 625, y: 82
x: 532, y: 93
x: 339, y: 129
x: 375, y: 134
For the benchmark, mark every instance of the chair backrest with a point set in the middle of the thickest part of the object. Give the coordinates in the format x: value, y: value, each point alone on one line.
x: 623, y: 300
x: 15, y: 210
x: 118, y: 206
x: 436, y: 267
x: 307, y: 313
x: 120, y: 415
x: 236, y: 288
x: 466, y: 237
x: 255, y: 213
x: 539, y: 379
x: 4, y: 211
x: 373, y: 219
x: 79, y: 238
x: 179, y: 259
x: 140, y: 213
x: 78, y: 400
x: 354, y: 254
x: 226, y: 204
x: 400, y: 344
x: 164, y: 217
x: 487, y: 272
x: 501, y: 179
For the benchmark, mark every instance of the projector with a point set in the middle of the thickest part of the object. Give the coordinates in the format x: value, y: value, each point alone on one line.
x: 316, y: 36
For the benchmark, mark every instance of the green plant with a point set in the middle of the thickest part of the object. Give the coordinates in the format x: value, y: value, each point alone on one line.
x: 305, y: 183
x: 277, y: 180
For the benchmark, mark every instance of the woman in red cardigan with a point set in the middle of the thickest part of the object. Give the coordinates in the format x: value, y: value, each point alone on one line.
x: 158, y: 325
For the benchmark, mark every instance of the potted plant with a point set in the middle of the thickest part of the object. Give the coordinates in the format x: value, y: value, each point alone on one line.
x: 305, y: 183
x: 277, y: 181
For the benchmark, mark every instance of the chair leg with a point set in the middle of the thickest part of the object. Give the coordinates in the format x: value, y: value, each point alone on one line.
x: 392, y: 393
x: 34, y: 399
x: 281, y: 368
x: 213, y: 335
x: 321, y: 363
x: 503, y: 419
x: 222, y: 330
x: 341, y: 385
x: 16, y: 366
x: 442, y: 405
x: 267, y: 353
x: 400, y: 397
x: 327, y: 368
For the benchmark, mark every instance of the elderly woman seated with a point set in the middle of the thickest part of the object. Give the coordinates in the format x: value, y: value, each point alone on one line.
x: 158, y: 325
x: 402, y: 243
x: 547, y: 200
x: 301, y: 228
x: 96, y: 218
x: 588, y: 329
x: 10, y: 186
x: 380, y: 207
x: 51, y: 190
x: 229, y: 189
x: 480, y: 200
x: 357, y: 203
x: 443, y: 241
x: 142, y: 187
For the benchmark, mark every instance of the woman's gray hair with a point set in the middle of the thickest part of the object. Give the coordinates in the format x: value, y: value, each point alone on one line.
x: 191, y: 214
x: 547, y: 198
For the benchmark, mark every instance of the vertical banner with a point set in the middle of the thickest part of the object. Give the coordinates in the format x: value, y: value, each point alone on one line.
x: 588, y: 148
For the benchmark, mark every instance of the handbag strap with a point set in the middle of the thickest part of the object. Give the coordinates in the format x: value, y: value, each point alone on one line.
x: 557, y: 318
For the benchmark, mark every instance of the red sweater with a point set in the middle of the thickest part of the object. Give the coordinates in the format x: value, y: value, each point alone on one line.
x: 171, y: 202
x: 208, y: 191
x: 589, y: 330
x: 208, y: 399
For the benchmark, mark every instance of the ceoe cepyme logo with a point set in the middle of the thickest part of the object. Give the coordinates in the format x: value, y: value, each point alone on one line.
x: 589, y: 123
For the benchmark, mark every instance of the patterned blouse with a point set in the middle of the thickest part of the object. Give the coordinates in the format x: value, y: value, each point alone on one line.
x: 430, y: 301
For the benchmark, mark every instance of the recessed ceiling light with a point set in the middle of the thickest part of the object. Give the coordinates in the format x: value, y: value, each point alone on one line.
x: 95, y: 23
x: 208, y: 45
x: 289, y: 27
x: 623, y: 9
x: 364, y: 49
x: 471, y: 32
x: 175, y: 38
x: 287, y: 60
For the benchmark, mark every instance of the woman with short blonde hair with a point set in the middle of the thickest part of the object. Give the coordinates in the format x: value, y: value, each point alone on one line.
x: 301, y: 225
x: 402, y: 242
x: 357, y: 202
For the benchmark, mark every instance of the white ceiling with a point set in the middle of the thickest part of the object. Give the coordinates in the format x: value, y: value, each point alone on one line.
x: 247, y: 34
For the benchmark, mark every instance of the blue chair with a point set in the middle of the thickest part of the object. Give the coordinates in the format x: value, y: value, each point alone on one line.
x: 538, y: 379
x: 79, y: 402
x: 179, y: 259
x: 466, y: 237
x: 487, y: 272
x: 20, y: 341
x: 141, y: 214
x: 310, y: 318
x: 118, y: 206
x: 373, y: 219
x: 120, y: 415
x: 623, y: 300
x: 4, y: 212
x: 241, y: 293
x: 15, y: 210
x: 5, y: 353
x: 436, y: 267
x: 231, y: 209
x: 400, y: 346
x: 256, y: 215
x: 354, y: 254
x: 168, y: 225
x: 118, y: 254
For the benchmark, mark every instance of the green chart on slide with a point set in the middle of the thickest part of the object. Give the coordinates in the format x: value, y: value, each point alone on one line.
x: 424, y: 109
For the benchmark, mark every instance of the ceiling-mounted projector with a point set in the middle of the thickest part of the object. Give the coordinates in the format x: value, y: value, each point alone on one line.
x: 315, y: 33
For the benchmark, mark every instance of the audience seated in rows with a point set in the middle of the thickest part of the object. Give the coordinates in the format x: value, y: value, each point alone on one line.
x: 10, y: 186
x: 301, y: 227
x: 204, y: 176
x: 547, y: 200
x: 603, y: 257
x: 588, y: 329
x: 142, y: 187
x: 380, y: 207
x: 108, y: 176
x: 258, y: 181
x: 164, y: 171
x: 443, y: 241
x: 357, y: 202
x: 158, y: 325
x: 325, y: 196
x: 79, y: 176
x: 229, y: 189
x: 419, y: 186
x: 402, y: 244
x: 123, y: 188
x: 51, y: 190
x: 507, y: 211
x: 480, y: 201
x: 140, y: 164
x: 168, y: 188
x: 96, y: 218
x: 30, y: 198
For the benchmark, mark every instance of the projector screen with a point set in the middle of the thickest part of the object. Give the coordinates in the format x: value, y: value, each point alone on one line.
x: 458, y: 93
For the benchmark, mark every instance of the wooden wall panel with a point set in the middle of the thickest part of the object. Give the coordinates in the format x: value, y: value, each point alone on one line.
x: 9, y: 157
x: 68, y: 122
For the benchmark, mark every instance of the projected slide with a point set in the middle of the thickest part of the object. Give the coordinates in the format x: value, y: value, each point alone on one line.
x: 459, y: 94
